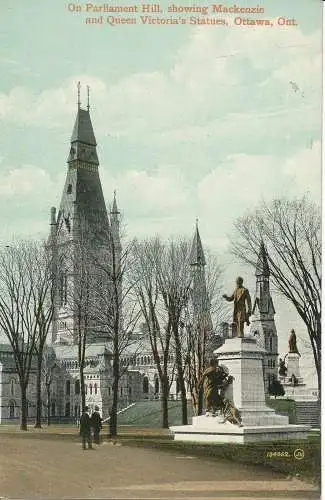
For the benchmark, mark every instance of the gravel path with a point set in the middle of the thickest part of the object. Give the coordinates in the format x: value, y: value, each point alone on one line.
x: 39, y: 468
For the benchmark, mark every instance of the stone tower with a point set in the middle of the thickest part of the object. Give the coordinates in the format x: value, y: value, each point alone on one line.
x: 80, y: 229
x: 262, y: 320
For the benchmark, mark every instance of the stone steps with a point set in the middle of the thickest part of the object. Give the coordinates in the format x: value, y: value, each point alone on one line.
x: 308, y: 413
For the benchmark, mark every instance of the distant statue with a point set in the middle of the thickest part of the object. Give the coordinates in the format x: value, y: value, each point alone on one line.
x: 293, y: 343
x: 282, y: 368
x: 214, y: 382
x: 242, y: 306
x: 294, y: 380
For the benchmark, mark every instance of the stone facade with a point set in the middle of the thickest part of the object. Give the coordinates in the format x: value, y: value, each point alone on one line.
x: 263, y: 326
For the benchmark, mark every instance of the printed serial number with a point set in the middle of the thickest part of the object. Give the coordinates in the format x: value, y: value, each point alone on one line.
x: 277, y: 454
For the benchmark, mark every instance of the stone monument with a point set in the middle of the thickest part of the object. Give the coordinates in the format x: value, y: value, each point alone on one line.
x: 289, y: 372
x: 243, y: 359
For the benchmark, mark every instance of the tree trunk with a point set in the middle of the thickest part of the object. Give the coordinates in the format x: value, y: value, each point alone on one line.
x: 82, y: 388
x: 116, y: 376
x: 24, y: 402
x: 180, y: 375
x: 48, y: 406
x: 200, y: 402
x: 164, y: 402
x: 38, y: 419
x: 113, y: 411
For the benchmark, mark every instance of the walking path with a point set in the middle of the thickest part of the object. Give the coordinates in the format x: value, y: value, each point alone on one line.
x: 42, y: 468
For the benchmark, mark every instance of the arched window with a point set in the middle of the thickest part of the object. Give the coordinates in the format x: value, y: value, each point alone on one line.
x: 145, y: 385
x: 121, y: 390
x: 53, y: 409
x: 12, y: 387
x: 90, y: 389
x: 95, y: 388
x: 271, y: 343
x: 86, y: 388
x: 67, y: 387
x: 67, y: 409
x: 77, y: 387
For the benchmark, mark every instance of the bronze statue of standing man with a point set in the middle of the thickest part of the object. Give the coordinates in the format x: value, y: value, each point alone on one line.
x: 242, y: 306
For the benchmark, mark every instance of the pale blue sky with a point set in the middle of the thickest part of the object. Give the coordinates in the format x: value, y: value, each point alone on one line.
x: 180, y: 114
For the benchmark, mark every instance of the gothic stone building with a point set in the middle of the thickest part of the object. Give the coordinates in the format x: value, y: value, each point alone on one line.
x: 83, y: 222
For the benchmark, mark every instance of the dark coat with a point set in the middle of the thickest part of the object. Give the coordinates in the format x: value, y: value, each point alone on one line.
x: 84, y: 425
x: 96, y: 421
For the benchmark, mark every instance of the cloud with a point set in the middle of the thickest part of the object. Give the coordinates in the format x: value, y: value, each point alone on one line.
x: 24, y: 182
x: 213, y: 76
x: 159, y: 192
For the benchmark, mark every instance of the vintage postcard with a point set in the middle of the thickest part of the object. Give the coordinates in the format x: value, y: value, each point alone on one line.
x: 160, y: 249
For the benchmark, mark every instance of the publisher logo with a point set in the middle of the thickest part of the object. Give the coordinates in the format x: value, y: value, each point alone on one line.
x: 299, y: 454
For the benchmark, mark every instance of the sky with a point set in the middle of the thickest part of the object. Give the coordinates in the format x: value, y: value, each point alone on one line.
x: 191, y: 121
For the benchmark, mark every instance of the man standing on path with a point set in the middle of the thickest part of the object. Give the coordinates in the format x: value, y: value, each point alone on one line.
x: 85, y: 429
x: 96, y: 424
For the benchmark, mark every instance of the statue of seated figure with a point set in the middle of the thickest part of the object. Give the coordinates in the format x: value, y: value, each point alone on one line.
x: 214, y: 382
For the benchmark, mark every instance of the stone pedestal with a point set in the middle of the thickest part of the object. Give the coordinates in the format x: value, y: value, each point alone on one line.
x: 243, y: 358
x: 293, y: 360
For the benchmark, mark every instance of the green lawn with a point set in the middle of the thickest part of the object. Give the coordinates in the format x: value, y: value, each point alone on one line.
x: 285, y: 407
x: 149, y: 414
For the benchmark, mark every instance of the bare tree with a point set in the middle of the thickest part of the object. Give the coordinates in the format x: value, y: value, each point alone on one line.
x: 116, y: 311
x: 291, y: 231
x: 23, y: 301
x: 49, y: 366
x: 44, y: 293
x: 148, y: 258
x: 174, y: 282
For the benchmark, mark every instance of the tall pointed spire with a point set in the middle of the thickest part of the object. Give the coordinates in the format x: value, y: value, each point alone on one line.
x: 114, y: 209
x: 197, y: 257
x: 262, y: 266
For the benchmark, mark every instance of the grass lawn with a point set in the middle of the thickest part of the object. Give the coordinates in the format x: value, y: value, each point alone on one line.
x: 284, y: 407
x: 149, y: 413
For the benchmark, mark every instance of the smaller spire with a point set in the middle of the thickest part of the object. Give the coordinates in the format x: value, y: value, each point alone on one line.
x: 78, y: 90
x: 114, y: 209
x: 262, y: 266
x: 197, y: 257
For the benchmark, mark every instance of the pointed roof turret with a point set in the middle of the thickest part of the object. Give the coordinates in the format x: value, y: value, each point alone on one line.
x: 197, y: 257
x: 262, y: 266
x: 83, y: 129
x: 114, y: 209
x: 83, y: 141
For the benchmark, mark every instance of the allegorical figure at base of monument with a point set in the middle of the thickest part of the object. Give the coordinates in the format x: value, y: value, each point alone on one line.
x: 282, y: 368
x: 242, y: 306
x: 214, y: 382
x: 293, y: 343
